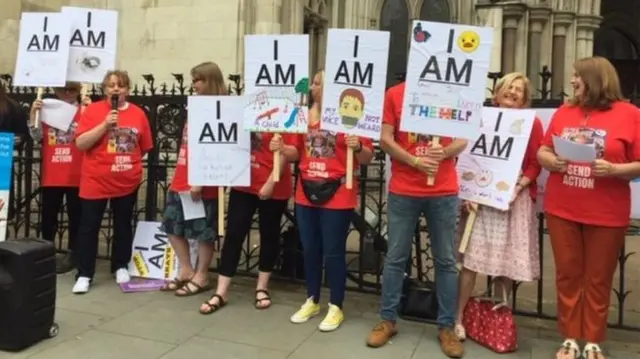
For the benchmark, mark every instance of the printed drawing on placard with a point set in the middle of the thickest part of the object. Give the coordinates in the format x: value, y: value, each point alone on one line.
x: 272, y: 103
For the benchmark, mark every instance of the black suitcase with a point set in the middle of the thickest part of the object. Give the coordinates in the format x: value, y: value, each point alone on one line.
x: 27, y: 293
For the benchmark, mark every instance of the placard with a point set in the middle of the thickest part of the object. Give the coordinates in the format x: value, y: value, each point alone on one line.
x: 93, y: 43
x: 489, y: 168
x: 152, y: 255
x: 6, y: 165
x: 43, y: 50
x: 277, y: 83
x: 355, y: 82
x: 446, y: 79
x: 218, y: 147
x: 544, y: 114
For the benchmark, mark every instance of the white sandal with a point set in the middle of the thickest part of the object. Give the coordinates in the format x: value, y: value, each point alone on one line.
x: 592, y: 349
x: 569, y: 347
x: 458, y: 329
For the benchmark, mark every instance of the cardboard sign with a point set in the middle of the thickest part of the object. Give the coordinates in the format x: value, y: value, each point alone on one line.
x: 6, y: 164
x: 43, y: 50
x: 276, y: 83
x: 355, y: 81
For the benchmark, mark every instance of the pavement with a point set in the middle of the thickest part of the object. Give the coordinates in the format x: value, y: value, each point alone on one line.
x: 106, y: 323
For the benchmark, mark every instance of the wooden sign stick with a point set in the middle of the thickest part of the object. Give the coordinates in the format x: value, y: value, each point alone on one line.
x: 464, y: 242
x: 349, y: 168
x: 36, y: 120
x: 276, y: 162
x: 221, y: 211
x: 431, y: 179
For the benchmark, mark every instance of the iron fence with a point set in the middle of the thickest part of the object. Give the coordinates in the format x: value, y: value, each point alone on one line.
x: 165, y: 106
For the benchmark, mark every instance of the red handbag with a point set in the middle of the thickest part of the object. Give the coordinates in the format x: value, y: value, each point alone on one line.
x: 491, y: 325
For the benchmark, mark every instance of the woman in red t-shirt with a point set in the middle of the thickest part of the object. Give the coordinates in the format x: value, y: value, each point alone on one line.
x: 270, y: 198
x: 324, y: 206
x: 504, y: 244
x: 114, y: 140
x: 60, y: 171
x: 587, y: 205
x: 207, y: 79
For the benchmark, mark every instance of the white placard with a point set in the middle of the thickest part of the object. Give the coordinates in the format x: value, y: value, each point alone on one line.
x: 153, y: 257
x: 446, y: 79
x: 43, y: 50
x: 277, y: 83
x: 58, y: 114
x: 355, y: 81
x: 488, y: 169
x: 219, y: 148
x: 93, y: 43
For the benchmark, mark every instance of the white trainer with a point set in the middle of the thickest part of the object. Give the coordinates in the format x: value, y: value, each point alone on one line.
x: 82, y: 285
x: 122, y: 276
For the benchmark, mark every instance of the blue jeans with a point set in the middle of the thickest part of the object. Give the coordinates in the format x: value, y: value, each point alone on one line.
x: 323, y: 233
x: 403, y: 215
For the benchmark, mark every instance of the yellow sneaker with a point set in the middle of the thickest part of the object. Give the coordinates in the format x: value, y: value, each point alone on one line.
x: 333, y: 319
x: 308, y: 310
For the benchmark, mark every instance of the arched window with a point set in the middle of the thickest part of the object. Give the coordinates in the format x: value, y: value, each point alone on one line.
x: 395, y: 17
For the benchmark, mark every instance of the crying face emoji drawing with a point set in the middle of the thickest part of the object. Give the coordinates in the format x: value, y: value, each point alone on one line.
x: 484, y: 178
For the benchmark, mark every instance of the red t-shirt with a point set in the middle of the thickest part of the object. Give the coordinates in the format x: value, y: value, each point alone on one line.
x: 262, y: 166
x: 579, y: 196
x: 405, y: 179
x: 113, y: 166
x: 61, y: 159
x: 180, y: 181
x: 323, y: 156
x: 530, y: 166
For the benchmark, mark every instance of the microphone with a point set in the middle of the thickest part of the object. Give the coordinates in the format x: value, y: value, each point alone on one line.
x: 114, y: 101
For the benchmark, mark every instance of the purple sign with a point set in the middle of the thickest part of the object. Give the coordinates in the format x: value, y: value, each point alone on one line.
x: 147, y: 285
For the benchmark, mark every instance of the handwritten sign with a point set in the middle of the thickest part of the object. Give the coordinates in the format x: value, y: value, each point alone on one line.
x: 355, y: 80
x: 446, y: 78
x: 43, y: 50
x: 93, y: 43
x: 6, y: 165
x: 153, y: 257
x: 277, y: 83
x: 219, y: 148
x: 489, y: 168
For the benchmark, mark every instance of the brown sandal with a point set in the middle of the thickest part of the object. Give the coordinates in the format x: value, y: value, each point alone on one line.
x: 187, y: 291
x: 213, y: 307
x: 267, y: 297
x: 173, y: 285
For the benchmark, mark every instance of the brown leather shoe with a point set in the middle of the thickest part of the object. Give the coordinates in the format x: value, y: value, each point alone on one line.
x: 381, y: 334
x: 450, y: 343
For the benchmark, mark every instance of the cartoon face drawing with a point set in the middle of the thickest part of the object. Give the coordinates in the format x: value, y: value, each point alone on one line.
x: 484, y: 178
x: 351, y: 108
x: 469, y: 41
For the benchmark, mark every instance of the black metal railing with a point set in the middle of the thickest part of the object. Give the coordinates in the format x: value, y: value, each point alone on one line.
x: 166, y: 108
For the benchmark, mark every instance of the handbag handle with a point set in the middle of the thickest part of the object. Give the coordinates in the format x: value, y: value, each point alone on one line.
x: 503, y: 303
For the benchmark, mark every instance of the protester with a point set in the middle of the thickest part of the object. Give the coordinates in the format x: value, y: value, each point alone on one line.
x: 504, y: 244
x: 324, y: 208
x: 413, y: 158
x: 114, y: 140
x: 587, y: 205
x: 207, y: 79
x: 60, y: 172
x: 270, y: 198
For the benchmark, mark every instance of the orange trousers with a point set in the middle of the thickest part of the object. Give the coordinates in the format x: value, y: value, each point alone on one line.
x: 586, y: 258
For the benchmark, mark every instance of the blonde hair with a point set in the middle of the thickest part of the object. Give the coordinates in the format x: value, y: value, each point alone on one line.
x: 210, y: 73
x: 507, y: 80
x: 123, y: 78
x: 601, y: 84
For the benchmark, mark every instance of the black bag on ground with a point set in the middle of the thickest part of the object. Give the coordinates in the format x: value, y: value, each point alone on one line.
x: 419, y: 301
x: 27, y: 293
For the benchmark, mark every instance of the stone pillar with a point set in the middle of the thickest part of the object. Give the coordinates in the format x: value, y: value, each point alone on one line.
x: 9, y: 34
x: 561, y: 21
x: 511, y: 14
x: 491, y: 16
x: 292, y: 15
x: 586, y: 25
x: 538, y: 17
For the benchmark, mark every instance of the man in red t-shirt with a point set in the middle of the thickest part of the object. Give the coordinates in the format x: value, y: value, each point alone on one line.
x: 413, y: 157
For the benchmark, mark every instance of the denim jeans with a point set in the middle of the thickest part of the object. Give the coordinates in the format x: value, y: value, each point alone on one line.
x: 403, y: 215
x: 323, y: 233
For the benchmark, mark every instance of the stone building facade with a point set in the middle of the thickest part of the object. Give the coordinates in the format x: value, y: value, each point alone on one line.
x: 164, y: 37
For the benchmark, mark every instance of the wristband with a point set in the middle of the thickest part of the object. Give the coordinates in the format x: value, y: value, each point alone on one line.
x: 415, y: 161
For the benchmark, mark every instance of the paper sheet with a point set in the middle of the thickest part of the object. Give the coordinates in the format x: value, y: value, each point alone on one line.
x: 191, y: 209
x: 58, y: 114
x: 572, y: 151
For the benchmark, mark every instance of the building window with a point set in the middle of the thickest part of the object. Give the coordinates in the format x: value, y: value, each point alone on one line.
x: 395, y: 17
